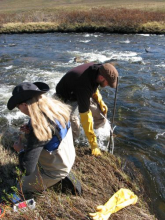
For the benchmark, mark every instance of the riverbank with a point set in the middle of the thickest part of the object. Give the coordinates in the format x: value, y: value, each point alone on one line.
x: 100, y: 178
x: 124, y: 18
x: 49, y: 27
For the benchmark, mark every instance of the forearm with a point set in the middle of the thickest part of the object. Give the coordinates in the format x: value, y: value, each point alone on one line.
x: 29, y: 159
x: 87, y: 124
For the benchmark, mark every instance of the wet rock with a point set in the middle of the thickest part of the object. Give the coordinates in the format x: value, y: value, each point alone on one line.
x: 3, y: 124
x: 8, y: 137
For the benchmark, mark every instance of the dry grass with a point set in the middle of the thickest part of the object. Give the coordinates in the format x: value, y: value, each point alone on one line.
x: 26, y: 5
x: 96, y: 19
x: 82, y: 16
x: 100, y: 178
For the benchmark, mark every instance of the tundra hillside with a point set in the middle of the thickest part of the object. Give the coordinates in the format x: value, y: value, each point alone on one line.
x: 122, y: 16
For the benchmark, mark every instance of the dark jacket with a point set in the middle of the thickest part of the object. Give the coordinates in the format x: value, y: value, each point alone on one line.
x: 79, y: 84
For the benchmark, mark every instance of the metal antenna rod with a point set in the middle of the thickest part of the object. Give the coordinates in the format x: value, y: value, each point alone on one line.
x: 111, y: 141
x: 114, y: 109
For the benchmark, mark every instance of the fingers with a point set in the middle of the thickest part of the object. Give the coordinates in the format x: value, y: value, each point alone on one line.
x: 100, y: 208
x: 96, y: 152
x: 103, y: 108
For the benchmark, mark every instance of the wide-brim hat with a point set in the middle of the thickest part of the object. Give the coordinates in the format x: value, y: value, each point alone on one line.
x: 109, y: 72
x: 25, y: 91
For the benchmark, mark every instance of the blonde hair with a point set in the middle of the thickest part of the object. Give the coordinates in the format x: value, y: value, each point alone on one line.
x: 43, y: 112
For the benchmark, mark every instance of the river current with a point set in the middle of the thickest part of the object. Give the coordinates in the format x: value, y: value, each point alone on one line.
x: 140, y: 106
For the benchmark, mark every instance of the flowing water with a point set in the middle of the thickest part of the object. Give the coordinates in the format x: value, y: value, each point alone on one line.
x: 139, y: 116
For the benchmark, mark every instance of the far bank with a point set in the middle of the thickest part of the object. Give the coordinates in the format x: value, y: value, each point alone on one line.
x: 104, y: 20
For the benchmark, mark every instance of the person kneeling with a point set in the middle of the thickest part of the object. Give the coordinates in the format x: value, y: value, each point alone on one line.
x: 49, y: 154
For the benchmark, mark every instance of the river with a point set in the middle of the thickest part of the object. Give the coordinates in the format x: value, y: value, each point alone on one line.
x: 140, y: 106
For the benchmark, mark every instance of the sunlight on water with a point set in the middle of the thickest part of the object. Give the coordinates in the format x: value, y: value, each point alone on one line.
x: 14, y: 115
x: 106, y: 56
x: 125, y: 42
x: 103, y: 135
x: 160, y: 134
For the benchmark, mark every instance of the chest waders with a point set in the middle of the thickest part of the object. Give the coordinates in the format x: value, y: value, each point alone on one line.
x: 70, y: 182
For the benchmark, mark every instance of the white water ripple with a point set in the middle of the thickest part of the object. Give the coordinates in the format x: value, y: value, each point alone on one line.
x: 106, y: 56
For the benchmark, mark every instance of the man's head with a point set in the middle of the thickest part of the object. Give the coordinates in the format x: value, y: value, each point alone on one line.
x: 107, y: 75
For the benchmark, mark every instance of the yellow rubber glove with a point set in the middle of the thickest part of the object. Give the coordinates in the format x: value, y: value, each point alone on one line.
x: 119, y: 200
x: 87, y: 123
x: 98, y: 97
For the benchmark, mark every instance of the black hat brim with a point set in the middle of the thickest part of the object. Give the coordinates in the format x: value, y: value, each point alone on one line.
x: 20, y: 98
x: 26, y: 95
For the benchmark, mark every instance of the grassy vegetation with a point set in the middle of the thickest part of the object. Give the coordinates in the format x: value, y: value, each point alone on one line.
x: 100, y: 178
x: 26, y: 5
x: 122, y: 16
